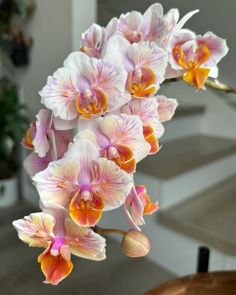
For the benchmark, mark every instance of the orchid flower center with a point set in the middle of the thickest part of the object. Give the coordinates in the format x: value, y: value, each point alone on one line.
x: 91, y: 102
x: 195, y: 74
x: 122, y: 156
x: 90, y: 51
x: 140, y: 82
x: 56, y: 246
x: 133, y: 36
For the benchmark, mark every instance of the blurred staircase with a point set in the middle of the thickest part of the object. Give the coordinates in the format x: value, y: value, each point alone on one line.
x: 194, y: 179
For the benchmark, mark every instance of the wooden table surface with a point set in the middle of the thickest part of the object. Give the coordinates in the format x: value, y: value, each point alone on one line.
x: 214, y: 283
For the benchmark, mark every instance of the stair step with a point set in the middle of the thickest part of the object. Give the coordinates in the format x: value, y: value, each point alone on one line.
x: 183, y: 155
x: 189, y: 110
x: 209, y: 217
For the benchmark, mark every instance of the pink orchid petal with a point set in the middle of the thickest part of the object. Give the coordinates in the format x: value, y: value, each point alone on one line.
x: 136, y: 208
x: 166, y: 107
x: 40, y: 141
x: 34, y: 164
x: 111, y: 183
x: 92, y: 41
x: 84, y: 242
x: 153, y: 23
x: 35, y: 229
x: 60, y: 93
x: 58, y: 183
x: 217, y: 46
x: 60, y: 124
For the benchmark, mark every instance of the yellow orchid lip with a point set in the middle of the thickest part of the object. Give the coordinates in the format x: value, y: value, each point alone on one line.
x: 91, y: 103
x: 195, y: 74
x: 140, y: 83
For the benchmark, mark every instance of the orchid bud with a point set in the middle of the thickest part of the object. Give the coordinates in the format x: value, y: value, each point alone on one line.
x: 135, y: 244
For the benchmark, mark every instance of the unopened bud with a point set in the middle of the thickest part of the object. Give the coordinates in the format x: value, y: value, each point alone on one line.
x: 135, y: 244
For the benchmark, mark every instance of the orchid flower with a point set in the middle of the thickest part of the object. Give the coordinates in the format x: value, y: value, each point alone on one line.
x: 46, y: 141
x: 140, y: 204
x: 147, y: 110
x: 94, y: 40
x: 120, y: 139
x: 144, y: 62
x: 196, y: 57
x: 136, y: 27
x: 85, y: 87
x: 61, y: 237
x: 83, y: 183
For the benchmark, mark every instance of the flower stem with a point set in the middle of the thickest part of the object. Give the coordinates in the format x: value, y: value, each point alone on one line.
x: 215, y: 84
x: 100, y: 230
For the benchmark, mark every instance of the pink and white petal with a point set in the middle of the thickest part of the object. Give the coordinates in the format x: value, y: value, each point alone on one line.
x: 85, y: 153
x: 82, y: 148
x: 76, y: 61
x: 217, y: 46
x: 59, y: 182
x: 111, y: 183
x: 214, y: 72
x: 128, y: 216
x: 110, y: 30
x: 116, y: 52
x: 34, y: 164
x: 62, y: 141
x: 40, y: 141
x: 153, y: 23
x: 84, y: 242
x: 171, y: 18
x: 59, y: 214
x: 92, y: 41
x: 145, y: 109
x: 36, y: 230
x: 136, y: 208
x: 129, y: 22
x: 166, y: 107
x: 60, y: 124
x: 87, y: 134
x: 111, y: 80
x: 157, y: 127
x: 60, y: 93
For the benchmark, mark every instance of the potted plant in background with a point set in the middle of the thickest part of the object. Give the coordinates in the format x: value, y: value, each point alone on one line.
x: 12, y: 122
x: 12, y: 39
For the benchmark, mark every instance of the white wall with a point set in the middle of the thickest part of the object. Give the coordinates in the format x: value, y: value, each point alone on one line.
x: 50, y: 28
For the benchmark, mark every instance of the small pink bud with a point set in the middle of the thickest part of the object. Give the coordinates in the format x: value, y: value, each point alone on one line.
x: 135, y: 244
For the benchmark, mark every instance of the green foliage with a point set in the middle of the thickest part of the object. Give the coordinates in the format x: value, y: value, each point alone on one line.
x: 12, y: 125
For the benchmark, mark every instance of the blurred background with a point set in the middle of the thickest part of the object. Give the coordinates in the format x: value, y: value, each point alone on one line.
x: 193, y: 176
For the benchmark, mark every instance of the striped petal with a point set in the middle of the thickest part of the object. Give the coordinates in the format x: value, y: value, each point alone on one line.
x: 84, y: 242
x: 35, y: 229
x: 111, y: 183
